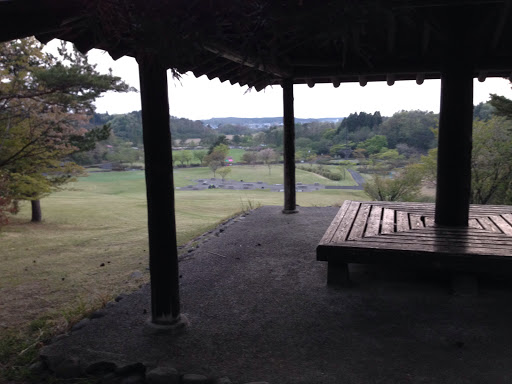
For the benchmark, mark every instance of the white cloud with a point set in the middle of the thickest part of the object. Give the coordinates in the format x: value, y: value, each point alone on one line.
x: 200, y: 98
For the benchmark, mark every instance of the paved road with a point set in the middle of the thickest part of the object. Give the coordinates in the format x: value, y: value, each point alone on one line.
x: 357, y: 177
x: 238, y: 185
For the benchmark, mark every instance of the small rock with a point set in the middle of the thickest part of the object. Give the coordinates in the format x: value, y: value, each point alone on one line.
x: 59, y: 337
x: 190, y: 250
x: 134, y: 379
x: 98, y: 314
x: 163, y: 375
x: 68, y: 368
x: 100, y: 368
x: 119, y: 298
x: 136, y: 275
x: 192, y: 378
x: 82, y: 323
x: 131, y: 369
x: 37, y: 368
x: 258, y: 382
x: 110, y: 378
x: 222, y: 380
x: 221, y: 229
x: 102, y: 264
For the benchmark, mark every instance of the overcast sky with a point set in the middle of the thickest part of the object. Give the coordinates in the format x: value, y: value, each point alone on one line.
x: 200, y: 98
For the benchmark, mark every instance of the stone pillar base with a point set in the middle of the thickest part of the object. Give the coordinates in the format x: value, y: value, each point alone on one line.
x: 172, y: 326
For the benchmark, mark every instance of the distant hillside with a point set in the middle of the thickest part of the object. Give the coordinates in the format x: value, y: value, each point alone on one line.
x: 259, y: 122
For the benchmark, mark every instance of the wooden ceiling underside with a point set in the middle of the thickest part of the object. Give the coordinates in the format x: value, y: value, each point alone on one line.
x: 261, y: 42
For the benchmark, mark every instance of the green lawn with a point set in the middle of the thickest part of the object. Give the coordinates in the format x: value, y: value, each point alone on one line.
x: 250, y: 173
x: 236, y: 154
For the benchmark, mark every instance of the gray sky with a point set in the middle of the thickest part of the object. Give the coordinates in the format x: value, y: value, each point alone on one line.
x: 200, y: 98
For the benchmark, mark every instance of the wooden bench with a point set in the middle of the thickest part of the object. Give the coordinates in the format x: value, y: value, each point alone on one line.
x: 405, y: 234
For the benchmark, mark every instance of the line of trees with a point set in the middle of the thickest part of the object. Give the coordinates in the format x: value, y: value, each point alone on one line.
x: 491, y: 163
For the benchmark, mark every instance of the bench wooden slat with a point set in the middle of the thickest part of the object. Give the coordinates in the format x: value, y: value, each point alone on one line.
x: 507, y: 217
x: 346, y: 223
x: 366, y: 247
x: 429, y: 221
x: 411, y: 240
x: 388, y: 221
x: 402, y: 221
x: 372, y: 229
x: 455, y: 231
x: 473, y: 223
x: 502, y: 224
x: 360, y: 222
x: 416, y: 221
x: 329, y: 234
x: 488, y: 225
x: 409, y: 243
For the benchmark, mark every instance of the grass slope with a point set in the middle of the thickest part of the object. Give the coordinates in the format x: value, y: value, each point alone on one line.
x: 250, y: 173
x: 93, y: 241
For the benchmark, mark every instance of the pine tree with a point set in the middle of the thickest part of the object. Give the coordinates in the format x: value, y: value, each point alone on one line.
x: 45, y: 107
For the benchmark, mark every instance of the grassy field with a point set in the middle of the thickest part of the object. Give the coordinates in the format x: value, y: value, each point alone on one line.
x: 250, y: 173
x: 235, y: 153
x: 92, y: 243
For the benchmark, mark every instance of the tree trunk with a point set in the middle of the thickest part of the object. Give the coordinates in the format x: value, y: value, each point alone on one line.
x: 36, y: 211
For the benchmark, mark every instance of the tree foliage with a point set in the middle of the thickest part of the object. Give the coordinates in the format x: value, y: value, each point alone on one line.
x: 217, y: 157
x: 355, y: 121
x: 374, y: 145
x: 404, y: 186
x: 483, y: 111
x: 45, y: 107
x: 268, y: 156
x: 413, y: 128
x: 223, y: 172
x: 491, y: 162
x: 200, y: 155
x: 502, y: 105
x: 249, y: 157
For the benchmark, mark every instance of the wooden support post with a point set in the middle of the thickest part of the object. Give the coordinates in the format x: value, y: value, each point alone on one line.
x: 454, y: 148
x: 163, y: 253
x: 290, y: 205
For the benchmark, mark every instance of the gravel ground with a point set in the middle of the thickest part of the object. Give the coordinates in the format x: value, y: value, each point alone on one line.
x: 260, y: 310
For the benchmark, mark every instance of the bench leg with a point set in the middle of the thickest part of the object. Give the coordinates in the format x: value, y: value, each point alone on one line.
x: 337, y: 274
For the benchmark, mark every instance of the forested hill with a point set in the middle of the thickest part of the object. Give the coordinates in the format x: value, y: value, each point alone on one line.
x: 128, y: 126
x: 259, y: 122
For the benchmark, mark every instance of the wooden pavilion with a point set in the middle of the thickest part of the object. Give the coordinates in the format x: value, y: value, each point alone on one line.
x: 265, y: 42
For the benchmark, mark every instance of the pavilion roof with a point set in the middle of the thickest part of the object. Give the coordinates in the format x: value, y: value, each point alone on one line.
x: 261, y: 42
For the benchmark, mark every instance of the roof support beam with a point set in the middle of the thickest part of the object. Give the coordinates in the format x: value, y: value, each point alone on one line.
x: 247, y: 61
x: 163, y: 253
x: 290, y: 205
x: 454, y: 147
x: 500, y: 25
